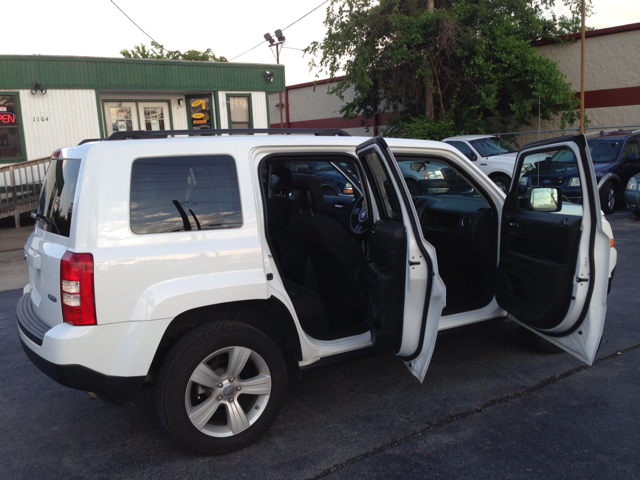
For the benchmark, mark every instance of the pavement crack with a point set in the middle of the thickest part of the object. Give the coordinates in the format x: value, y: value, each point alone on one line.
x: 430, y: 427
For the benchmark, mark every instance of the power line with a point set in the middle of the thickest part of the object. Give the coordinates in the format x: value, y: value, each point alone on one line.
x: 253, y: 48
x: 139, y: 28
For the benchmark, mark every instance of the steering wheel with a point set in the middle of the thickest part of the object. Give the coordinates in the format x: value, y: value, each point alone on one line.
x: 358, y: 220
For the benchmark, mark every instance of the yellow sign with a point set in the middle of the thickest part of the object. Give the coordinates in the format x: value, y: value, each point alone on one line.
x: 199, y: 103
x: 198, y: 115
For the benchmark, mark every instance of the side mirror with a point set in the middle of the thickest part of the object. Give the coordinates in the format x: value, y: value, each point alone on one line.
x: 544, y: 199
x: 634, y: 157
x: 418, y: 166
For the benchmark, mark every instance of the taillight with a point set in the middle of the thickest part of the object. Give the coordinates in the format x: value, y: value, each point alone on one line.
x: 56, y: 154
x: 76, y: 288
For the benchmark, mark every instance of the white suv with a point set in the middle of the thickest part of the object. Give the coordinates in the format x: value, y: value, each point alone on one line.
x: 493, y: 155
x: 199, y: 264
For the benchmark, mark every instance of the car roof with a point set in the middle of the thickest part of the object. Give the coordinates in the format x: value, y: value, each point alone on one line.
x: 617, y: 134
x: 468, y: 137
x: 231, y: 142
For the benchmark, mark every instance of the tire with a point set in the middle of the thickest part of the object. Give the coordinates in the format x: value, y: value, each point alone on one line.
x: 538, y: 343
x: 202, y: 393
x: 503, y: 182
x: 608, y: 197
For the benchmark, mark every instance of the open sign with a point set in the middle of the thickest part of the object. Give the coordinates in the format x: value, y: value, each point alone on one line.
x: 8, y: 118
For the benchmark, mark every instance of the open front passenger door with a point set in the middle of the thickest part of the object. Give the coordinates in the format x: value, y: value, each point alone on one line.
x: 407, y: 298
x: 554, y: 255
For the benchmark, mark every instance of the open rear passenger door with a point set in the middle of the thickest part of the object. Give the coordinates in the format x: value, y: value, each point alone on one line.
x: 554, y: 257
x: 402, y: 264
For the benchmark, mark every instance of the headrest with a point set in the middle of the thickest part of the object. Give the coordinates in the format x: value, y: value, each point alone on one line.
x: 308, y: 194
x: 281, y: 180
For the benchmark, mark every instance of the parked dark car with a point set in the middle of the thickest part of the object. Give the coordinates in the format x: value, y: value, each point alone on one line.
x: 330, y: 180
x: 632, y: 195
x: 616, y: 158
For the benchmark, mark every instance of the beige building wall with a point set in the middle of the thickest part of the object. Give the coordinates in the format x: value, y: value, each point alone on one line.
x: 612, y: 86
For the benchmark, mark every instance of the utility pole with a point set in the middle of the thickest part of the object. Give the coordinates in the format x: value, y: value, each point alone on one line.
x: 429, y: 112
x: 582, y: 36
x: 278, y: 45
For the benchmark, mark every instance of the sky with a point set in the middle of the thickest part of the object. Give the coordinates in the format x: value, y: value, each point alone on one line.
x: 229, y: 28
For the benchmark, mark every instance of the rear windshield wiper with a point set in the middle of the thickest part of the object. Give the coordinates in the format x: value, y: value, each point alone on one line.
x: 45, y: 219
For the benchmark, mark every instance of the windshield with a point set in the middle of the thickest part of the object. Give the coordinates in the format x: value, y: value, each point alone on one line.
x: 428, y: 177
x: 488, y: 147
x: 604, y: 151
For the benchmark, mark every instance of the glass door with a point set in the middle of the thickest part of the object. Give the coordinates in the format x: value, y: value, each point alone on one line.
x: 154, y: 116
x: 120, y: 117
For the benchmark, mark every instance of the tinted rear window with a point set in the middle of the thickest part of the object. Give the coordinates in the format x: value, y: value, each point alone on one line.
x: 177, y: 194
x: 56, y: 198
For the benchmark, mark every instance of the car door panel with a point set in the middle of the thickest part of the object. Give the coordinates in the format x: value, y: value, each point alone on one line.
x: 539, y: 254
x: 385, y: 282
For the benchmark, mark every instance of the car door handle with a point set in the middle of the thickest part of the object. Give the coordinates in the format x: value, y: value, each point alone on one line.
x: 339, y: 205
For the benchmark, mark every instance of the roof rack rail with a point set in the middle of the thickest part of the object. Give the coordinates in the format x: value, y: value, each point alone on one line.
x: 148, y: 134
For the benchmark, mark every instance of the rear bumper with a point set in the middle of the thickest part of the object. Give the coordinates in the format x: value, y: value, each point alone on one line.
x: 111, y: 360
x: 118, y: 390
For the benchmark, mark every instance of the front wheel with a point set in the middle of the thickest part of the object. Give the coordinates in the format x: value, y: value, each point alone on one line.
x: 503, y: 182
x: 221, y: 387
x: 608, y: 194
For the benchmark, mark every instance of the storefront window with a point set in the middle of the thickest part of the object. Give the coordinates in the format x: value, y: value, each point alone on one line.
x: 121, y: 120
x: 153, y: 118
x: 9, y: 125
x: 239, y: 112
x: 200, y: 112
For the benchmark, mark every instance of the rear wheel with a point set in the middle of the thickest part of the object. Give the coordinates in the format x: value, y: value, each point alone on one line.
x: 221, y: 387
x: 502, y: 181
x: 608, y: 195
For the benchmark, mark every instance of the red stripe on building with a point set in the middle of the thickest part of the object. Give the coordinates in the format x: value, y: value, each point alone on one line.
x: 338, y: 122
x: 611, y: 97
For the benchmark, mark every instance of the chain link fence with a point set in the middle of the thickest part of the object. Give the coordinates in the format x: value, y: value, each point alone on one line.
x: 519, y: 139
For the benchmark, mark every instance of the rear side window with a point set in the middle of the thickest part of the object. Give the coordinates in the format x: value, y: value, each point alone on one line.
x: 56, y: 199
x: 177, y: 194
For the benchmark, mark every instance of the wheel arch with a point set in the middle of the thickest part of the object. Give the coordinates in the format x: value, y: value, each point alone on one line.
x: 269, y: 316
x: 613, y: 178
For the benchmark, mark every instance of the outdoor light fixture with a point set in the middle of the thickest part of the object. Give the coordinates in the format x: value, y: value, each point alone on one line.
x: 268, y: 75
x: 179, y: 101
x: 37, y: 88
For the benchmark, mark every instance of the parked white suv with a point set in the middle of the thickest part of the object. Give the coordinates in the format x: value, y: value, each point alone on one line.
x: 493, y: 155
x: 199, y: 265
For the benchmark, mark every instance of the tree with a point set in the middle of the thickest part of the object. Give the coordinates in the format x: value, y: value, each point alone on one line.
x: 158, y: 52
x: 476, y: 56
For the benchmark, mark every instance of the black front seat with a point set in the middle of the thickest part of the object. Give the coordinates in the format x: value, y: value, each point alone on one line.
x: 337, y: 258
x: 280, y: 209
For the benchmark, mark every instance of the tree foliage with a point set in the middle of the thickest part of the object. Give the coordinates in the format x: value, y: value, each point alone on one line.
x: 158, y: 52
x: 476, y: 56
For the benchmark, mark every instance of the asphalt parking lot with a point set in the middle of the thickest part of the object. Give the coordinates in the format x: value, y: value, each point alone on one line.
x: 490, y: 407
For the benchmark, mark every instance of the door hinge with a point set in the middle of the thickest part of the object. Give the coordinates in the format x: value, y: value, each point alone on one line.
x: 580, y: 280
x: 411, y: 263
